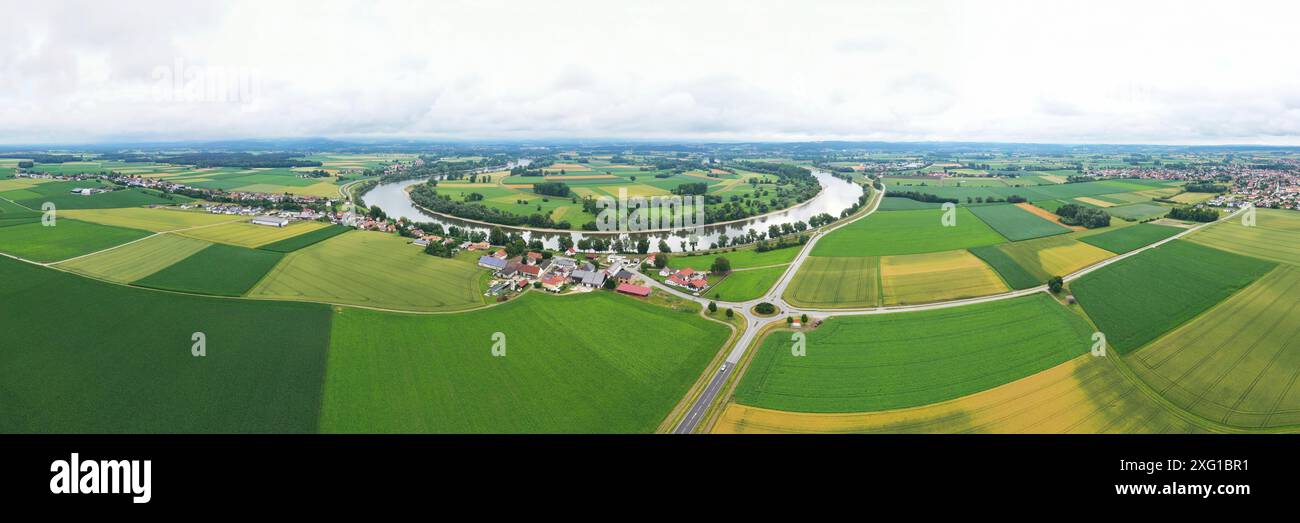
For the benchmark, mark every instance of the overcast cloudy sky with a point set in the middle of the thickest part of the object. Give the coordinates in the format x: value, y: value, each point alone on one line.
x: 1034, y: 71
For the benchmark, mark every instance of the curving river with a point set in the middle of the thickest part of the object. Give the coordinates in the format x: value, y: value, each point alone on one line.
x: 836, y: 196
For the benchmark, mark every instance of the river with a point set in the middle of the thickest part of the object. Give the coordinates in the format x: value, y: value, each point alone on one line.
x: 836, y: 196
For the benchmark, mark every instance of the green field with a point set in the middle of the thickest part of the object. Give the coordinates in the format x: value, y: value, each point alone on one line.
x: 740, y: 258
x: 1012, y: 273
x: 1127, y: 239
x: 219, y: 269
x: 747, y: 284
x: 906, y: 232
x: 1238, y: 364
x: 1272, y: 238
x: 128, y: 263
x: 155, y: 219
x: 1137, y: 211
x: 1037, y: 192
x: 573, y: 364
x: 58, y: 193
x: 376, y: 270
x: 1137, y: 299
x: 1015, y: 223
x: 246, y: 234
x: 306, y: 239
x: 937, y: 276
x: 1051, y: 256
x: 890, y: 361
x: 898, y: 203
x: 94, y: 357
x: 836, y: 282
x: 66, y: 239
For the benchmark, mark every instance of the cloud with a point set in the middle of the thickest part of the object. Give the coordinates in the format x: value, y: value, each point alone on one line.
x: 1158, y: 72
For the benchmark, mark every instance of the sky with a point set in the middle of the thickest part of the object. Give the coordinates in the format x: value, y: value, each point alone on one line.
x: 1033, y: 71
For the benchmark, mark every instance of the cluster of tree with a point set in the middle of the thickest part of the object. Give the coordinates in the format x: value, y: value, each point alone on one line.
x: 920, y: 197
x: 777, y: 231
x: 1074, y: 214
x: 721, y: 265
x: 242, y: 160
x: 994, y: 199
x: 691, y: 189
x: 42, y: 158
x: 1194, y: 214
x: 765, y: 308
x: 551, y: 188
x: 821, y: 219
x: 780, y: 243
x: 426, y: 195
x: 1205, y: 187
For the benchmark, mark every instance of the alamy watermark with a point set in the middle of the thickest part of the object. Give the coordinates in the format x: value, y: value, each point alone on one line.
x: 1248, y: 216
x: 180, y: 82
x: 641, y: 214
x: 949, y: 217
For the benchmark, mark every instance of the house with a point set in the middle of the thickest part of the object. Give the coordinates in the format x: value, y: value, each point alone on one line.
x: 624, y: 276
x: 510, y: 270
x: 530, y: 271
x: 588, y: 278
x: 570, y: 251
x: 270, y: 221
x: 495, y: 264
x: 421, y: 242
x: 501, y: 253
x: 553, y: 282
x: 480, y: 246
x: 567, y: 264
x: 634, y: 290
x: 649, y: 260
x: 533, y: 258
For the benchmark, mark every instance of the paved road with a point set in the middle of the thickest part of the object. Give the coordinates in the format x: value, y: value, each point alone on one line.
x: 774, y: 295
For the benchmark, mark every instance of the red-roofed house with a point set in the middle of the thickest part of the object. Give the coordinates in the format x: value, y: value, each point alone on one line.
x: 530, y: 271
x: 553, y: 282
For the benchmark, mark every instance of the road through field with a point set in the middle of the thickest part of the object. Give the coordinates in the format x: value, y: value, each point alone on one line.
x: 700, y: 407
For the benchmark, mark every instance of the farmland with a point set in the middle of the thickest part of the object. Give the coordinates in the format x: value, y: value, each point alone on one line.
x: 66, y: 239
x: 906, y: 232
x: 1127, y: 239
x: 890, y: 361
x: 1137, y: 299
x: 1238, y: 364
x: 1016, y: 223
x: 219, y: 269
x: 745, y: 285
x: 127, y: 366
x: 59, y: 194
x: 155, y: 219
x: 739, y: 258
x: 836, y: 282
x: 245, y: 234
x: 923, y: 278
x: 1012, y: 273
x: 408, y: 373
x: 1052, y: 256
x: 1084, y: 395
x: 375, y: 270
x: 304, y: 240
x: 1272, y: 238
x: 128, y: 263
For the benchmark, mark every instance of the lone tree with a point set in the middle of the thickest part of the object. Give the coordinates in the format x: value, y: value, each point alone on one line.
x: 713, y: 306
x: 789, y: 320
x: 609, y: 284
x: 803, y: 318
x: 730, y: 313
x: 720, y: 266
x: 661, y: 260
x: 1054, y: 284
